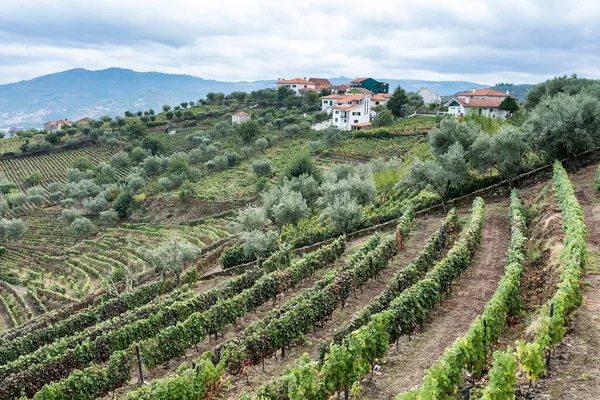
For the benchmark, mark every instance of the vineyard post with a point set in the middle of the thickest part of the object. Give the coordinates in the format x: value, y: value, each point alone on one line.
x: 139, y: 362
x: 485, y: 338
x: 549, y: 334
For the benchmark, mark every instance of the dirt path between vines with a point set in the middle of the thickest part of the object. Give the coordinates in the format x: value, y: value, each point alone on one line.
x: 4, y: 321
x: 274, y: 368
x: 575, y: 366
x: 404, y: 368
x: 28, y: 300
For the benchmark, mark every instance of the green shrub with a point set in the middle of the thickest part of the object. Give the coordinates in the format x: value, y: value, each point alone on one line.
x: 261, y: 167
x: 233, y: 256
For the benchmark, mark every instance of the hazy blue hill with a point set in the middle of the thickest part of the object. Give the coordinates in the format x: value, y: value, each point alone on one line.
x: 78, y: 93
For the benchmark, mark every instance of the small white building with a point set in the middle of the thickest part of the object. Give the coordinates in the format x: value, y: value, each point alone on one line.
x: 380, y: 99
x: 240, y: 117
x: 430, y: 97
x: 298, y: 85
x: 348, y: 111
x: 484, y: 101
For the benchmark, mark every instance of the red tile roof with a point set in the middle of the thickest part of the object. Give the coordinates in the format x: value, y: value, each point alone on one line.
x: 241, y: 114
x: 357, y: 80
x: 380, y: 97
x: 321, y: 82
x: 295, y: 80
x: 488, y: 103
x: 83, y: 120
x: 483, y: 92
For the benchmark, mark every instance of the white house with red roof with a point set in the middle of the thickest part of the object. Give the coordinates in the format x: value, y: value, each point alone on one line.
x: 485, y: 101
x: 240, y: 117
x: 380, y: 99
x: 298, y: 85
x: 54, y: 126
x: 348, y: 111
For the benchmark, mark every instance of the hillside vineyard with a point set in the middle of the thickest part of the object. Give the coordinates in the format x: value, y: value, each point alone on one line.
x: 250, y: 246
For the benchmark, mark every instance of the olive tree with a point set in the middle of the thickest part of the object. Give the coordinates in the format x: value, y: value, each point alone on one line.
x: 173, y: 257
x: 36, y: 194
x: 12, y: 229
x: 563, y: 126
x: 451, y: 131
x: 258, y: 244
x: 120, y: 160
x: 250, y: 219
x: 344, y: 212
x: 261, y: 167
x: 109, y: 217
x: 290, y: 208
x: 82, y: 227
x: 448, y: 171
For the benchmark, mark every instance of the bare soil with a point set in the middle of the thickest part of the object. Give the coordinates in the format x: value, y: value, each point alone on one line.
x: 575, y: 366
x: 166, y: 210
x: 405, y: 367
x: 4, y: 321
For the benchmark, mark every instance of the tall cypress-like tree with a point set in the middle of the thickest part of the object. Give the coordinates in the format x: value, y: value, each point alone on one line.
x: 397, y: 102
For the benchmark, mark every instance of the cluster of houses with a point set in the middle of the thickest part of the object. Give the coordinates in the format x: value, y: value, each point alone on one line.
x: 351, y: 106
x: 54, y: 126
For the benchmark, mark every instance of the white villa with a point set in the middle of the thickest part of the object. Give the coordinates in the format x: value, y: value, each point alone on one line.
x: 240, y: 117
x: 348, y: 111
x: 298, y: 85
x: 429, y: 96
x: 486, y: 101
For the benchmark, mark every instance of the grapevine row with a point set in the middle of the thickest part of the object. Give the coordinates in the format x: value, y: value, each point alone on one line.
x: 402, y: 280
x: 470, y: 352
x: 281, y: 326
x: 263, y: 289
x: 555, y: 313
x: 349, y: 361
x: 58, y: 360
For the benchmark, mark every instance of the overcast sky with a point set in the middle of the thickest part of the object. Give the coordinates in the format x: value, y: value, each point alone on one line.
x: 479, y: 40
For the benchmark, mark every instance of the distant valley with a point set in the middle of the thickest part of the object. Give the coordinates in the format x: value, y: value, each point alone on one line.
x: 79, y: 93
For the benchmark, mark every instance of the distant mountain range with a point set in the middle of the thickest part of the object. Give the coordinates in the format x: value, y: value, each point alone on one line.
x: 79, y: 93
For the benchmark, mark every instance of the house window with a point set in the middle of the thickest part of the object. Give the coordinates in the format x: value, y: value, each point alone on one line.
x: 356, y: 121
x: 305, y: 86
x: 356, y: 113
x: 337, y: 112
x: 376, y: 103
x: 293, y: 86
x: 336, y: 120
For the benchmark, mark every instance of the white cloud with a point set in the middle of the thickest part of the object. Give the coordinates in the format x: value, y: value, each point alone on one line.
x: 485, y: 41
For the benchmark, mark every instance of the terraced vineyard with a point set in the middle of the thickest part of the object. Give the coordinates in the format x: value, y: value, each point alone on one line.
x: 52, y: 167
x: 50, y: 276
